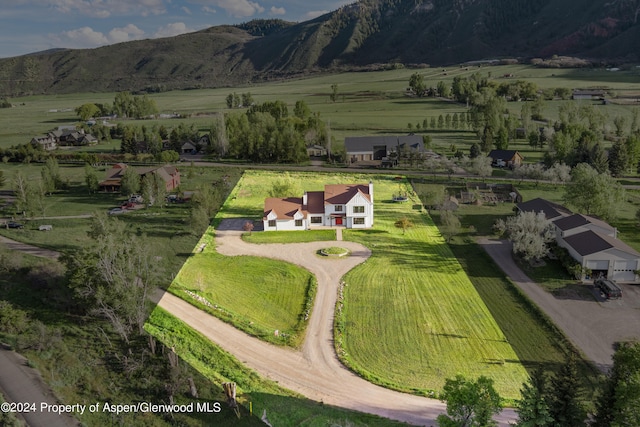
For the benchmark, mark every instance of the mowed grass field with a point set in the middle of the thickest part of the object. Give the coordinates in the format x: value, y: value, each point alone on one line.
x: 413, y: 304
x: 412, y: 318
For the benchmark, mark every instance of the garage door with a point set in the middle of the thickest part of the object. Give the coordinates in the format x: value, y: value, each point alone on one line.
x: 598, y: 265
x: 623, y: 271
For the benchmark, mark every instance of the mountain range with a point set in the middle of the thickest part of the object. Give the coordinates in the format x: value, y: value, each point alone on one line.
x: 366, y: 34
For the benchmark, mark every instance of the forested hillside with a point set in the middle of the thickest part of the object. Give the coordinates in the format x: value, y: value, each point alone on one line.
x: 367, y: 33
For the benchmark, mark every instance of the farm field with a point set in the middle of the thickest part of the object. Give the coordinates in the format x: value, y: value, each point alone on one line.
x: 367, y: 103
x: 428, y: 318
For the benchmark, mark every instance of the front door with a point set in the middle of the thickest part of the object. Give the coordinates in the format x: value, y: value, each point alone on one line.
x: 339, y: 220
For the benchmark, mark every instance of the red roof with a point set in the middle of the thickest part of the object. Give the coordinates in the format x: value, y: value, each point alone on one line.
x: 339, y: 194
x: 283, y: 208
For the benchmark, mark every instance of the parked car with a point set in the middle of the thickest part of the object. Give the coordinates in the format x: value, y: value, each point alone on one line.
x: 116, y: 211
x: 609, y: 288
x: 135, y: 198
x: 46, y: 227
x: 12, y: 224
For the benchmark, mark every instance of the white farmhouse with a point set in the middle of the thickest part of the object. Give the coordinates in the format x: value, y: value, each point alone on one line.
x: 349, y: 206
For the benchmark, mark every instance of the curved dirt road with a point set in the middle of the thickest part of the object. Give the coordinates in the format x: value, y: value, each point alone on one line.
x: 315, y: 371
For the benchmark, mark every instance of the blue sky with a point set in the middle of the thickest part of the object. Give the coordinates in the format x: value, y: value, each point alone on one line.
x: 33, y: 25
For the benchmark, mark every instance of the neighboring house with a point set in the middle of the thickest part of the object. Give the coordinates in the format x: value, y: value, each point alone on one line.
x: 188, y: 148
x: 551, y: 210
x: 590, y: 241
x: 316, y: 151
x: 588, y: 94
x: 379, y: 148
x: 349, y: 206
x: 64, y: 136
x: 169, y: 174
x: 46, y: 142
x: 505, y: 158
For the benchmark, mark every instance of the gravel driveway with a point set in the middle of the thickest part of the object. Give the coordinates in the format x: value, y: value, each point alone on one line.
x: 592, y: 325
x: 315, y: 371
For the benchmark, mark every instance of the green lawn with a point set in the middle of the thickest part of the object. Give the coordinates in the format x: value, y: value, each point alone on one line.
x: 428, y: 316
x: 257, y: 295
x: 290, y: 236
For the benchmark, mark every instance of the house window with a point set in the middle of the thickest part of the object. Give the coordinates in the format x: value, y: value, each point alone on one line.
x: 338, y: 208
x: 272, y: 223
x: 298, y: 223
x: 358, y: 221
x: 316, y: 220
x: 358, y: 209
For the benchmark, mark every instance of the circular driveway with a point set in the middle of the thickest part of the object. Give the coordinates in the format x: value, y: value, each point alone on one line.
x: 315, y: 370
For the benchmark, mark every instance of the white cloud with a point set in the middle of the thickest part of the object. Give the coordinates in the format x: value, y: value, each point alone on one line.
x: 124, y: 34
x: 87, y: 37
x: 277, y: 10
x: 170, y: 30
x: 314, y: 14
x: 82, y: 38
x: 235, y: 8
x: 186, y: 10
x: 208, y: 9
x: 104, y: 8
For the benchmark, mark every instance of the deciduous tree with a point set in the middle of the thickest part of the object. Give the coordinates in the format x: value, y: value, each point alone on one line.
x: 530, y: 233
x: 112, y: 278
x: 594, y: 193
x: 403, y: 223
x: 417, y: 84
x: 130, y: 182
x: 91, y: 179
x: 469, y: 403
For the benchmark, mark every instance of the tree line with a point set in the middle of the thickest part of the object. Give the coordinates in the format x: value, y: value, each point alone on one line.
x: 555, y: 400
x: 124, y: 105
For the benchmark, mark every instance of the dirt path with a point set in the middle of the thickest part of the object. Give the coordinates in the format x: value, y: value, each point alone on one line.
x: 22, y: 384
x: 592, y: 325
x: 315, y: 371
x: 28, y: 249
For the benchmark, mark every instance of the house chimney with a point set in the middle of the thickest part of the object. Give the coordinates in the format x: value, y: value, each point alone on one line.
x: 304, y: 199
x: 371, y: 191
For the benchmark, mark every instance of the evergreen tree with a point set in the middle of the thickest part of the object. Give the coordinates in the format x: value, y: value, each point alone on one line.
x: 565, y: 395
x: 618, y: 158
x: 533, y: 409
x: 619, y: 404
x: 474, y: 151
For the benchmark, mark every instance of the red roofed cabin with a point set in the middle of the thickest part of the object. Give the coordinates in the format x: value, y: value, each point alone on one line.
x: 169, y: 174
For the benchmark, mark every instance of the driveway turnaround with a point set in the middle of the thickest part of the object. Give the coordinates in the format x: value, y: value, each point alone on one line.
x: 315, y: 370
x: 593, y: 325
